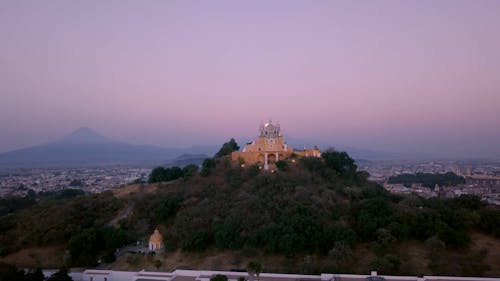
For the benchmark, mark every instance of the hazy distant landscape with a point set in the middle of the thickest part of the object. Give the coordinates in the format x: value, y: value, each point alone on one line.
x: 86, y: 147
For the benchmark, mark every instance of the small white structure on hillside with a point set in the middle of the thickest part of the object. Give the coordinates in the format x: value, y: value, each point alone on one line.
x: 156, y: 241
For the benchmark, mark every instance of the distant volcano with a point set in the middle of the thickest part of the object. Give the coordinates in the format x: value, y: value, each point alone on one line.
x: 85, y: 135
x: 85, y: 147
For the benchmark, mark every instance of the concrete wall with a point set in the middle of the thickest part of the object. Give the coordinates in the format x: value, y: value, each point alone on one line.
x: 205, y: 275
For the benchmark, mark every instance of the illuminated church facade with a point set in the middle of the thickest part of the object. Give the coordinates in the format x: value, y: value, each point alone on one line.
x: 270, y: 147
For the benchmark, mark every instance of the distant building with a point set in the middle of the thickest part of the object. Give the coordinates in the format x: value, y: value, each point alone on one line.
x: 156, y: 241
x: 482, y: 180
x: 269, y: 148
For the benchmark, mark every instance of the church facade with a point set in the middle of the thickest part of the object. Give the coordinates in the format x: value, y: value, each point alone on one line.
x: 270, y: 147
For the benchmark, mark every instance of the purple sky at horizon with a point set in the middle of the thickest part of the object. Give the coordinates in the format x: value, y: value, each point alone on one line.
x: 400, y: 76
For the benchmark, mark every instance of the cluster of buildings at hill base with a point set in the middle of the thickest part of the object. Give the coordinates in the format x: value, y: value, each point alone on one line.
x: 269, y: 148
x: 484, y: 186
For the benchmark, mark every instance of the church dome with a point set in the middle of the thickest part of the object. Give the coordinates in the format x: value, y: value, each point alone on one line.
x: 156, y: 237
x: 270, y: 130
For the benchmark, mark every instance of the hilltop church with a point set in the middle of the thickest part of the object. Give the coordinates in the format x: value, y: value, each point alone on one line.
x: 269, y: 148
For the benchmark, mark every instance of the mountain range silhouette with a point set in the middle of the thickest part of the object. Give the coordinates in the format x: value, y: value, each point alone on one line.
x: 86, y: 147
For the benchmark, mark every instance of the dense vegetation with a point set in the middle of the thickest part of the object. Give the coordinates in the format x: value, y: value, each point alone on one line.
x: 227, y: 148
x: 13, y: 203
x: 11, y: 273
x: 161, y: 174
x: 313, y: 206
x: 428, y: 180
x: 57, y: 219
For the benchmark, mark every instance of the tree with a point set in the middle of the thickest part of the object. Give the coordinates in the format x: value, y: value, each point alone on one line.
x: 219, y: 277
x: 35, y: 275
x: 11, y: 204
x: 189, y: 171
x: 198, y: 240
x: 254, y: 268
x: 312, y: 164
x: 174, y: 173
x: 166, y: 207
x: 11, y: 273
x: 158, y: 174
x: 339, y: 161
x: 234, y: 176
x: 61, y: 275
x: 157, y: 264
x: 252, y: 171
x: 227, y: 232
x: 387, y: 264
x: 282, y: 165
x: 435, y: 244
x: 83, y: 247
x: 227, y: 148
x: 490, y: 220
x: 340, y: 252
x: 208, y: 164
x: 370, y: 215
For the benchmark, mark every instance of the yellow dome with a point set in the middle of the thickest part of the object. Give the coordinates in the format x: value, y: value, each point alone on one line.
x: 156, y: 237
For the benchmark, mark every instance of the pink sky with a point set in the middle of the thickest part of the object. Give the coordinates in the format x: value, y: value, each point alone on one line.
x: 382, y: 75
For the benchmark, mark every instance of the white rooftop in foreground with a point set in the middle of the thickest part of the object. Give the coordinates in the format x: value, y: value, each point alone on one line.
x: 205, y: 275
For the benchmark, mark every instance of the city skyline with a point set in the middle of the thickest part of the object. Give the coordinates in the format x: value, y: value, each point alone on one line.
x: 392, y: 76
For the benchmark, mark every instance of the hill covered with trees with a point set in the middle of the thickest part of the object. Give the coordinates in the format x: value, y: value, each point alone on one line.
x: 319, y: 211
